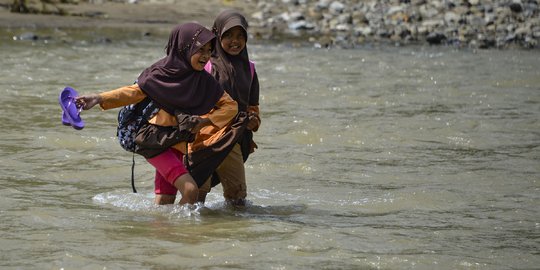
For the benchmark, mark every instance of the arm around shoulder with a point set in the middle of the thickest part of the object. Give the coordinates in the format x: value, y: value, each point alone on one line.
x: 224, y: 111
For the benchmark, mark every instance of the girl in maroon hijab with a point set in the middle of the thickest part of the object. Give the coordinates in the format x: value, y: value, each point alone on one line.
x: 176, y: 83
x: 231, y: 67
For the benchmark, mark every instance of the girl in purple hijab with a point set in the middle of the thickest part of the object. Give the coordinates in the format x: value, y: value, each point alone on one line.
x: 236, y: 74
x: 179, y: 86
x: 175, y: 82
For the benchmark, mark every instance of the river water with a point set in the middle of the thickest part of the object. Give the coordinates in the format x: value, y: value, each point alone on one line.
x: 369, y: 158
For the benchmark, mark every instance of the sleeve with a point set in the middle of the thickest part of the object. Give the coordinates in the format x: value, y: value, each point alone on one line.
x: 121, y: 97
x: 224, y: 111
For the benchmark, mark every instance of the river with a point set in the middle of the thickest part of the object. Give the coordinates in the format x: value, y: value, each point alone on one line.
x: 370, y: 158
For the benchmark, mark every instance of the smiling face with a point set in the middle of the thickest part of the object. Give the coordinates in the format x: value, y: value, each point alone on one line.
x: 201, y: 57
x: 233, y: 41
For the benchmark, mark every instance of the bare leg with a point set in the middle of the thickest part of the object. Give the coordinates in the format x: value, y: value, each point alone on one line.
x: 164, y: 199
x: 169, y: 191
x: 188, y: 188
x: 202, y: 196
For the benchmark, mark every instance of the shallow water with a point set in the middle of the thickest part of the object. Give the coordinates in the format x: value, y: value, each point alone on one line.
x: 373, y: 158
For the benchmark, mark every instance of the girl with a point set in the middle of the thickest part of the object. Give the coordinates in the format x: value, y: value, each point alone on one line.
x: 175, y: 83
x: 231, y: 67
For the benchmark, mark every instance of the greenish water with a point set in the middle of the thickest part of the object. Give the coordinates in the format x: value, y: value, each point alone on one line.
x: 373, y: 158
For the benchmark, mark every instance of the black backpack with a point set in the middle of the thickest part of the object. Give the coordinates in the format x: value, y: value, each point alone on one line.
x: 130, y: 119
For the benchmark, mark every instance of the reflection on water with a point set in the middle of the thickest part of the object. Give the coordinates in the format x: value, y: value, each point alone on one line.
x: 376, y: 158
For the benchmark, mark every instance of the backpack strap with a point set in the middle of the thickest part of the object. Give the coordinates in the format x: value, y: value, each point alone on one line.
x: 208, y: 68
x: 149, y: 109
x: 133, y: 174
x: 252, y: 68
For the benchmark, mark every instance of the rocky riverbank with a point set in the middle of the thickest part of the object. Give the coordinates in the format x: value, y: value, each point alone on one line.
x: 322, y: 23
x: 347, y: 23
x: 107, y: 13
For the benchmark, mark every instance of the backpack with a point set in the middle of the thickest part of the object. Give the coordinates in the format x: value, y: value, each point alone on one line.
x: 208, y: 68
x: 130, y: 119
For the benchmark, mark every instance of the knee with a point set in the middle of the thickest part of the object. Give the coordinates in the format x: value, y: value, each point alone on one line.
x: 191, y: 194
x: 188, y: 188
x: 191, y: 188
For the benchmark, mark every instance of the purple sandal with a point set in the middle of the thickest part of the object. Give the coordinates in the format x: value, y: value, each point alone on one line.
x: 71, y: 115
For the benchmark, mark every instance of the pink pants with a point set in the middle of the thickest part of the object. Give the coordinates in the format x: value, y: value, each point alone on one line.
x: 169, y: 166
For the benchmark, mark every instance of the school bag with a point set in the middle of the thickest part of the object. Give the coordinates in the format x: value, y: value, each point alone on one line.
x: 208, y: 68
x: 130, y: 119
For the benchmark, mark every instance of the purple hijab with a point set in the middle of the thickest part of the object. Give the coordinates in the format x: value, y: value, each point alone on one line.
x: 173, y: 83
x: 233, y: 71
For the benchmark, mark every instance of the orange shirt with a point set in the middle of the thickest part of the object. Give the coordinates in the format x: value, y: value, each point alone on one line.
x: 221, y: 115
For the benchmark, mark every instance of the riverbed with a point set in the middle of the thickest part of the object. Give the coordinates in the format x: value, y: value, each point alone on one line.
x: 377, y: 157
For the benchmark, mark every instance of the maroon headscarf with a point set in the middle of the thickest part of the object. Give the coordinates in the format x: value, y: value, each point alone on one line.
x: 233, y: 71
x: 234, y: 75
x: 173, y: 83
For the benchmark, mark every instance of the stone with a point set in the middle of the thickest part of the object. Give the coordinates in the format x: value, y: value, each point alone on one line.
x: 435, y: 38
x: 516, y: 7
x: 485, y: 23
x: 301, y: 25
x: 451, y: 17
x: 26, y: 36
x: 336, y: 7
x: 342, y: 27
x: 363, y: 31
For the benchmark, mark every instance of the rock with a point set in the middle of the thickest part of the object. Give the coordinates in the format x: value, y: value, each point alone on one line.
x: 314, y: 14
x: 258, y: 16
x: 336, y: 7
x: 359, y: 17
x: 363, y: 31
x: 523, y: 31
x: 345, y: 18
x: 435, y: 38
x: 530, y: 43
x: 323, y: 4
x: 395, y: 9
x: 342, y: 27
x: 301, y: 25
x: 26, y: 36
x: 536, y: 32
x: 485, y: 24
x: 516, y: 7
x: 451, y: 17
x: 428, y: 12
x: 432, y: 24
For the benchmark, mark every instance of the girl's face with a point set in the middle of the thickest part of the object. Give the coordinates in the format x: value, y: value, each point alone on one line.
x: 201, y: 57
x: 233, y: 41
